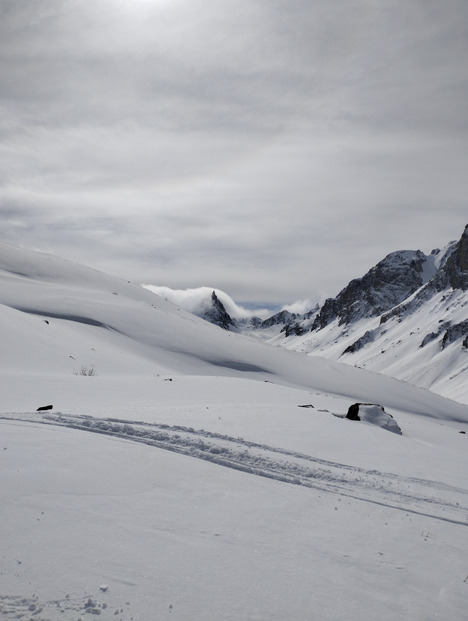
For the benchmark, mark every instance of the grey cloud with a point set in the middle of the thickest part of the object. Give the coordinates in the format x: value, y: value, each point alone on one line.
x: 243, y: 145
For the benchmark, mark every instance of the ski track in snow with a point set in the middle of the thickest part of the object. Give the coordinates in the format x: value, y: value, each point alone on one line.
x: 66, y: 609
x: 432, y: 499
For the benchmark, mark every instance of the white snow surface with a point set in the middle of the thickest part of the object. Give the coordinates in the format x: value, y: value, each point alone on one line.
x: 203, y: 475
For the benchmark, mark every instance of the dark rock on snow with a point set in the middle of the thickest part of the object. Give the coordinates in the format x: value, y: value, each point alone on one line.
x: 375, y: 414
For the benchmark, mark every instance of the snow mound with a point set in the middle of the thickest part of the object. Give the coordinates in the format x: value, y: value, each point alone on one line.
x: 374, y: 414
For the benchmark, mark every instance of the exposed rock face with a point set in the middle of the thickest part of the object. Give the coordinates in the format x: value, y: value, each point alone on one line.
x: 455, y: 332
x: 328, y: 313
x: 454, y: 272
x: 282, y: 318
x: 353, y: 412
x: 361, y: 342
x: 293, y: 328
x: 432, y: 336
x: 398, y: 286
x: 448, y: 333
x: 293, y: 323
x: 451, y: 274
x: 375, y: 414
x: 405, y: 317
x: 218, y: 315
x: 387, y: 284
x: 246, y: 324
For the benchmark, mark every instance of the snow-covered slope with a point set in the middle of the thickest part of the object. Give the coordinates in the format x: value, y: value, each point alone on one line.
x: 189, y: 473
x: 61, y: 317
x: 407, y: 317
x: 381, y: 321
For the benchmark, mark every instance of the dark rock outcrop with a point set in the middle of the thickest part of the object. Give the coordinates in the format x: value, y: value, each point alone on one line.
x: 367, y: 337
x: 387, y: 284
x: 374, y: 414
x: 218, y: 315
x: 454, y: 272
x: 450, y: 333
x: 293, y: 328
x: 452, y: 275
x: 454, y: 333
x: 284, y: 317
x: 353, y: 412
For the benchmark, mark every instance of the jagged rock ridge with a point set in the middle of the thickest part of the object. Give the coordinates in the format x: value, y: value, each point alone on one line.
x: 408, y: 302
x: 218, y: 315
x: 387, y: 284
x: 407, y: 317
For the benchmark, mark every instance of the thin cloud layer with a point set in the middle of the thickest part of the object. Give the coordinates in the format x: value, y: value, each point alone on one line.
x: 300, y: 307
x: 198, y: 301
x: 274, y: 150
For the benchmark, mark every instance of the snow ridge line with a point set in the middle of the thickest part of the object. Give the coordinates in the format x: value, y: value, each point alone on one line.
x: 409, y: 494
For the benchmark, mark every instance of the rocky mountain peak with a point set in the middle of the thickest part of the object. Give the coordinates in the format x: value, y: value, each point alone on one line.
x: 282, y: 318
x: 218, y: 315
x: 384, y: 286
x: 452, y: 273
x: 455, y: 269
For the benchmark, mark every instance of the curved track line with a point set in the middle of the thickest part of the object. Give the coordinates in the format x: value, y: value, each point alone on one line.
x: 432, y: 499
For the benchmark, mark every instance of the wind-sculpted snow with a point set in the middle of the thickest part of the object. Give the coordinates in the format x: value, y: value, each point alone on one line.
x: 66, y: 317
x: 432, y: 499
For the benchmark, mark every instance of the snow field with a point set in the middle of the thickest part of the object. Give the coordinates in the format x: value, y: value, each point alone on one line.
x: 164, y: 530
x: 207, y: 476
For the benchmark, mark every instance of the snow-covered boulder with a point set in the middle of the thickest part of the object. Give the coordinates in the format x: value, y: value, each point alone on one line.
x: 375, y: 414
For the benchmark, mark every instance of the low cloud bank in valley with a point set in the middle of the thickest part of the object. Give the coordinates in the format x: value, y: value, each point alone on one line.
x: 198, y: 301
x: 300, y: 306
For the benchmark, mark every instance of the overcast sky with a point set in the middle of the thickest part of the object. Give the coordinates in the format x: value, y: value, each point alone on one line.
x: 274, y: 149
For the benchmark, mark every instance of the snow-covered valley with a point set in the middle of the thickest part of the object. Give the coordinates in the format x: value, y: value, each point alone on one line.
x: 406, y: 318
x: 189, y: 473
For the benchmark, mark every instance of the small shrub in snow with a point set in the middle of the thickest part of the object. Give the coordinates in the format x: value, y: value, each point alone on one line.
x: 88, y: 370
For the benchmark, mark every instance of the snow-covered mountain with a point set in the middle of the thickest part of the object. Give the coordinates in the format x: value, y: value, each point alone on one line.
x: 47, y: 301
x: 218, y: 315
x: 407, y: 317
x: 178, y: 470
x: 213, y: 305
